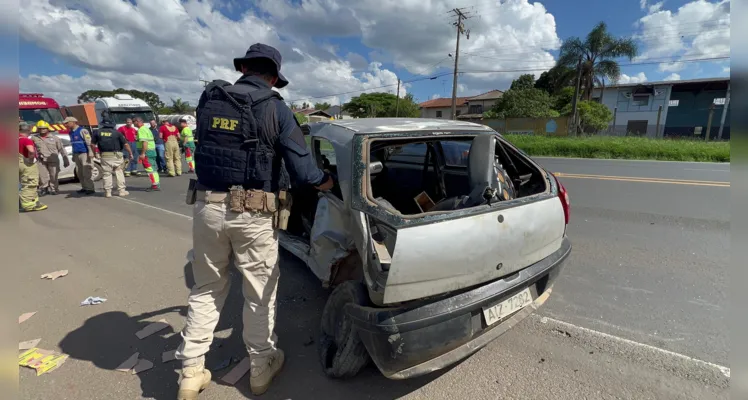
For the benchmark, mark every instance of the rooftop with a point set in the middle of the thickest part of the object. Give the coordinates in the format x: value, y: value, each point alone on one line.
x: 447, y: 101
x: 659, y: 83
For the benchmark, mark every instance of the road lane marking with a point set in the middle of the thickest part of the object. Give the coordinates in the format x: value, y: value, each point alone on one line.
x: 643, y: 179
x: 156, y: 208
x: 724, y: 370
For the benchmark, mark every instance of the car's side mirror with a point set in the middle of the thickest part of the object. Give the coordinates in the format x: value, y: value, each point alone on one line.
x: 375, y: 167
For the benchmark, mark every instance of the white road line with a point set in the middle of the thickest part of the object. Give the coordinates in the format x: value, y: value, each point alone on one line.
x: 725, y: 370
x: 156, y: 208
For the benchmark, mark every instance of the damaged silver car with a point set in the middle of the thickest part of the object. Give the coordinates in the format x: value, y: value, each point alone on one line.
x: 437, y: 237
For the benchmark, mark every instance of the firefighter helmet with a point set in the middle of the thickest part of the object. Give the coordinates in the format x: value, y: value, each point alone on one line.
x: 42, y: 124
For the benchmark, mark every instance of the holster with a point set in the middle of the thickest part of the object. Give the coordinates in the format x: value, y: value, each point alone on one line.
x: 191, y: 191
x: 285, y: 201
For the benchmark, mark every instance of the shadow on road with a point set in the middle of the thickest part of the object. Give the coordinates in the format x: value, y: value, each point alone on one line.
x: 108, y: 339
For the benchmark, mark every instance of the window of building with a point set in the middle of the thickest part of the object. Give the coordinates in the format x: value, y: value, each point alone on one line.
x: 637, y: 128
x: 673, y: 103
x: 720, y: 101
x: 476, y: 109
x: 438, y: 114
x: 640, y: 100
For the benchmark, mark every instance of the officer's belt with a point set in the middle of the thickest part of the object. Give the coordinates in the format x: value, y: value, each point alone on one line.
x: 110, y: 153
x: 211, y: 196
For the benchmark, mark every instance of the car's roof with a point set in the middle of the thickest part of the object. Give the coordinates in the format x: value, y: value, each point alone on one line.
x: 342, y: 131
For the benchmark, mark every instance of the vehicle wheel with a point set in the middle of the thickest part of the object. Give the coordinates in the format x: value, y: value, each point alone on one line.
x: 97, y: 173
x: 340, y: 350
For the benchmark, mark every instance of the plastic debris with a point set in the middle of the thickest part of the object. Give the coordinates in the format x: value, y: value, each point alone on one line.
x: 42, y: 361
x: 55, y: 275
x: 90, y: 301
x: 168, y: 356
x: 25, y: 316
x: 29, y: 344
x: 152, y: 328
x: 142, y: 365
x: 128, y: 364
x: 237, y: 372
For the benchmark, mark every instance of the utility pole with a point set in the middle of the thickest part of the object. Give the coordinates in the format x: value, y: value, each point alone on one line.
x: 576, y: 96
x: 397, y: 102
x: 461, y: 16
x: 724, y: 113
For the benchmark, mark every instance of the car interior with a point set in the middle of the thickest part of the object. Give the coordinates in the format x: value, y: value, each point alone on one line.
x: 416, y: 175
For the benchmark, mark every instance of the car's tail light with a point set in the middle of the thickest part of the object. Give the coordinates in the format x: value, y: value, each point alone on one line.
x: 563, y: 195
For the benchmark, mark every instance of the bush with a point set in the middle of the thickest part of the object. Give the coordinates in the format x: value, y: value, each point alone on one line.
x: 631, y: 148
x: 525, y: 103
x: 593, y: 116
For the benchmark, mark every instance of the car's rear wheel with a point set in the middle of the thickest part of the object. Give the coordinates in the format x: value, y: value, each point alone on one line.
x: 340, y: 350
x: 96, y: 174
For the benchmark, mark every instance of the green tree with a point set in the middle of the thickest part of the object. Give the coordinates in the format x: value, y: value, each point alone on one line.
x: 556, y: 79
x: 382, y: 105
x: 149, y: 97
x: 525, y: 81
x: 305, y: 105
x: 563, y: 99
x: 598, y: 53
x: 322, y: 106
x: 593, y: 116
x: 527, y: 103
x: 178, y: 106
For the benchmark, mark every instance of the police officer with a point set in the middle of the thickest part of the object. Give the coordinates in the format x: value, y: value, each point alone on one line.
x: 83, y: 154
x: 111, y: 143
x: 244, y: 132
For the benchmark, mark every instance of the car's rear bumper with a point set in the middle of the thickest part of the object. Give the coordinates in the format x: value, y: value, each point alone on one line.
x: 416, y: 339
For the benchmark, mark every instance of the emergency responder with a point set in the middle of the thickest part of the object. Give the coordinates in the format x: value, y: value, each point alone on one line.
x: 111, y: 143
x: 147, y: 150
x: 131, y: 134
x: 83, y: 154
x: 170, y: 134
x: 49, y: 150
x: 236, y: 210
x: 160, y: 149
x: 188, y: 141
x: 28, y: 174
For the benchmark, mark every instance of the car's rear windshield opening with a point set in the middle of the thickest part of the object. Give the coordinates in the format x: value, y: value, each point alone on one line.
x: 416, y: 176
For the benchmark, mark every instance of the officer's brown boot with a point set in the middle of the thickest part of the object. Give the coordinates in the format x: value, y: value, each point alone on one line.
x: 195, y: 379
x: 263, y: 371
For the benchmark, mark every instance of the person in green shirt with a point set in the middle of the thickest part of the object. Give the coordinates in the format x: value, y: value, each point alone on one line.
x: 147, y: 150
x: 188, y: 140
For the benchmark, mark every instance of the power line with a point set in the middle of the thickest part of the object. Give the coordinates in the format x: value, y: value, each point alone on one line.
x: 436, y: 76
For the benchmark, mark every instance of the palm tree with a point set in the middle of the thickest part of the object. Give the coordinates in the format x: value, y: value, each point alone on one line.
x: 597, y: 53
x: 180, y: 107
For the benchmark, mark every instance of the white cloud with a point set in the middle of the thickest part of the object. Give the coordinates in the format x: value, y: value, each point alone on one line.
x: 643, y: 4
x: 673, y: 77
x: 416, y: 35
x: 698, y: 29
x: 638, y: 78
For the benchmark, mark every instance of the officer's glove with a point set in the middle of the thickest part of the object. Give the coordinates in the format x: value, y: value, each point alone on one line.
x: 65, y: 162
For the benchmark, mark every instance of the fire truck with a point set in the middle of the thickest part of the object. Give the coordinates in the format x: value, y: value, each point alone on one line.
x: 33, y: 107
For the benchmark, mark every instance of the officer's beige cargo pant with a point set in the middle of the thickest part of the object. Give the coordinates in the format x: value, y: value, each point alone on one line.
x: 111, y: 164
x: 218, y: 234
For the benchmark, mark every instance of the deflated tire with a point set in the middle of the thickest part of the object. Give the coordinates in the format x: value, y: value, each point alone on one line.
x: 340, y: 350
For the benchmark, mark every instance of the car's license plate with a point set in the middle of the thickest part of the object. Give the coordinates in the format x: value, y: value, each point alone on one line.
x: 517, y: 302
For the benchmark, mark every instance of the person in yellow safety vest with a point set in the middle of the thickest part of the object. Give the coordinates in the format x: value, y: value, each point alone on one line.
x: 188, y: 139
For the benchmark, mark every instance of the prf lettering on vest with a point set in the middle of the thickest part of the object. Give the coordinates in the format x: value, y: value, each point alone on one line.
x: 224, y: 123
x: 106, y: 134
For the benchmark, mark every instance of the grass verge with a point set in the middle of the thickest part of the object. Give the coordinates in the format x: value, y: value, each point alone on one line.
x: 630, y: 148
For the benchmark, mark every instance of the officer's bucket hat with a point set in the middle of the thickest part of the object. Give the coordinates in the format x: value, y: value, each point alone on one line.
x: 259, y: 50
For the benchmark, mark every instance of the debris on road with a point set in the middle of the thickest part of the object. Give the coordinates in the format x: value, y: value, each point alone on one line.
x: 168, y: 356
x: 42, y: 361
x: 90, y: 301
x: 152, y: 328
x: 128, y: 364
x: 237, y: 372
x: 143, y: 365
x: 29, y: 344
x: 55, y: 275
x: 25, y: 316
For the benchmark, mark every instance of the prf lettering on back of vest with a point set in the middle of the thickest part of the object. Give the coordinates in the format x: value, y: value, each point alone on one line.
x: 106, y: 134
x: 224, y: 123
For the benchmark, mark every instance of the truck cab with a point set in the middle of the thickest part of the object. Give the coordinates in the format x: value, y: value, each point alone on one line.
x: 123, y: 106
x: 33, y: 107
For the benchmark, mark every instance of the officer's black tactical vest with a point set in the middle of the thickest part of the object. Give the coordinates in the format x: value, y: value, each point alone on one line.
x: 108, y: 139
x: 236, y: 135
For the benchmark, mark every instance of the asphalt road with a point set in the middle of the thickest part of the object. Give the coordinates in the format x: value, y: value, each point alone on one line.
x: 638, y: 313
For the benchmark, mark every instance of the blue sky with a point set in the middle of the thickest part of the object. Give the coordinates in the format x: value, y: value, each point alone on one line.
x: 330, y: 39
